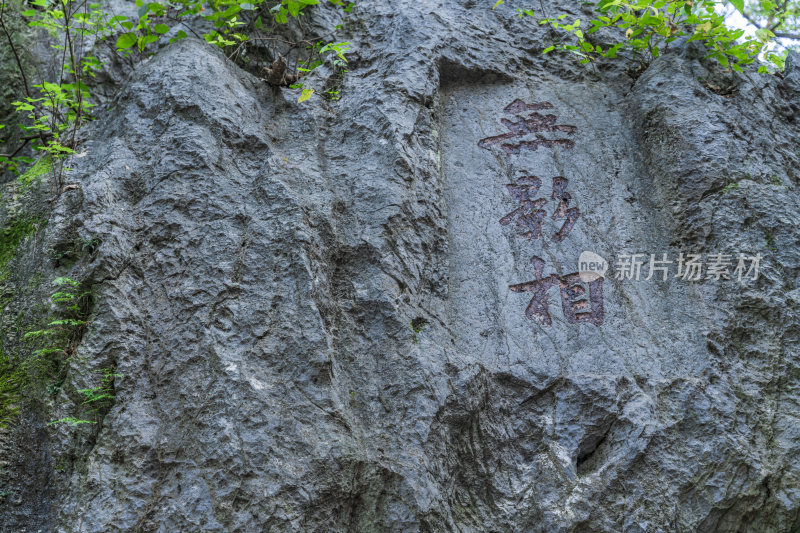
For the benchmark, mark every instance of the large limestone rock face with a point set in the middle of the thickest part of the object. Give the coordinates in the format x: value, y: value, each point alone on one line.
x: 318, y: 311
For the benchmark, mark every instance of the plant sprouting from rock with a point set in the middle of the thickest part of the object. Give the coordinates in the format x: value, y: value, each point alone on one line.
x: 63, y: 332
x: 53, y: 110
x: 642, y: 30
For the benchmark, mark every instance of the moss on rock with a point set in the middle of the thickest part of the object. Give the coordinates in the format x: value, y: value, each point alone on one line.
x: 11, y: 379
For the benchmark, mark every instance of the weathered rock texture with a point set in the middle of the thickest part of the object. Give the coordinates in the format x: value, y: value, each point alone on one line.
x: 309, y: 304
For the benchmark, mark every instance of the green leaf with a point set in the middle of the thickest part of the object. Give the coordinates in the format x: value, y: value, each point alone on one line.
x: 738, y: 4
x: 764, y: 35
x: 548, y: 49
x: 126, y: 40
x: 230, y: 12
x: 777, y: 60
x: 29, y: 13
x: 605, y: 5
x: 498, y: 3
x: 161, y: 28
x: 53, y: 88
x: 294, y: 7
x: 144, y: 40
x: 305, y: 96
x: 71, y: 420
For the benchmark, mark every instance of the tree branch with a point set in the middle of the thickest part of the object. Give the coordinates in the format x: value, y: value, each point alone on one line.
x: 778, y: 34
x: 751, y: 20
x: 14, y: 51
x: 25, y: 140
x: 18, y: 150
x: 780, y: 10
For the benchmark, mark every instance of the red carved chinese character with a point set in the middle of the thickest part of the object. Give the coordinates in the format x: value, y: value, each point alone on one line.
x: 530, y: 214
x: 575, y: 304
x: 579, y: 309
x: 533, y: 124
x: 560, y: 193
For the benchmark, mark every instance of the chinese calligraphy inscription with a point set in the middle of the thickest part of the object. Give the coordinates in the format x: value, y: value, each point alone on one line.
x: 523, y: 126
x: 581, y: 302
x: 530, y: 215
x: 576, y: 304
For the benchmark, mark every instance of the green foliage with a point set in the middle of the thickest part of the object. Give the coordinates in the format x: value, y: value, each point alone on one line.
x: 43, y: 351
x: 13, y: 233
x: 417, y: 326
x: 645, y: 28
x: 729, y: 187
x: 40, y: 356
x: 12, y: 374
x: 54, y: 110
x: 66, y: 255
x: 59, y: 338
x: 96, y: 400
x: 305, y: 95
x: 71, y: 420
x: 778, y: 21
x: 39, y: 363
x: 103, y: 394
x: 337, y: 52
x: 346, y: 6
x: 42, y: 166
x: 11, y: 381
x: 88, y: 244
x: 233, y: 20
x: 769, y: 240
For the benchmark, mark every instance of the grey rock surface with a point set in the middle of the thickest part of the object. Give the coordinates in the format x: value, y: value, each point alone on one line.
x: 309, y: 304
